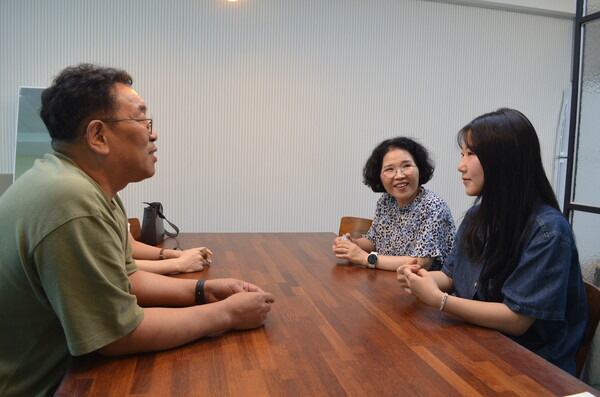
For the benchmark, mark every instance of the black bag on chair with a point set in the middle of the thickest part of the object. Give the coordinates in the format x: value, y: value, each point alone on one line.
x: 153, y: 230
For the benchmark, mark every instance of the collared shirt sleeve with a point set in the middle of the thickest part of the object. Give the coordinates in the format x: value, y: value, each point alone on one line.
x: 464, y: 276
x: 433, y: 230
x: 538, y: 286
x: 448, y: 267
x: 372, y: 234
x: 424, y: 228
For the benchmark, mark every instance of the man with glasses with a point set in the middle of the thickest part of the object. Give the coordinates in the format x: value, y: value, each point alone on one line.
x: 68, y: 284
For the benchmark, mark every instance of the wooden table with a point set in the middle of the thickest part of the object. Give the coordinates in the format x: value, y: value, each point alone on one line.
x: 334, y: 330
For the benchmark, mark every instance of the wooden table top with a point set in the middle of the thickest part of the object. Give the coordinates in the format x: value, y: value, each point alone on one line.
x: 334, y: 330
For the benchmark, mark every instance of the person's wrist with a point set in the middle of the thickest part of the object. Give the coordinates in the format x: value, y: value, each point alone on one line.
x: 372, y: 260
x: 169, y: 254
x: 227, y: 310
x: 179, y: 265
x: 365, y: 259
x: 442, y: 300
x: 199, y: 294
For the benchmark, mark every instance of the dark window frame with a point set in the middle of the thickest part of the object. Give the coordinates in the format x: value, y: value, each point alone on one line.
x: 569, y: 206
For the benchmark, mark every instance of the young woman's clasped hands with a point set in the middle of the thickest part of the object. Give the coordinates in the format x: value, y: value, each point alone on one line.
x: 433, y: 288
x: 417, y: 281
x: 517, y: 274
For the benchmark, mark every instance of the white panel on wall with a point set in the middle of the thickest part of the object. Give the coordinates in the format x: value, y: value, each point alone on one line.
x: 267, y: 110
x: 555, y: 8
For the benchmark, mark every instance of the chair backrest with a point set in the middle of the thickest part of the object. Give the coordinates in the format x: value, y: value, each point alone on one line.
x: 593, y: 300
x: 355, y: 226
x: 135, y: 228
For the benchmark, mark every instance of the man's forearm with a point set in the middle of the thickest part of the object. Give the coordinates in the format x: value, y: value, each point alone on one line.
x: 165, y: 266
x: 165, y: 328
x: 157, y: 290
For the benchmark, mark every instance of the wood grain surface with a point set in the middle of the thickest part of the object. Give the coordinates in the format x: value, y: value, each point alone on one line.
x: 334, y: 330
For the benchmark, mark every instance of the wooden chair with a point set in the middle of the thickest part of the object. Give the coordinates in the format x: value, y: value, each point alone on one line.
x: 593, y: 300
x: 355, y: 226
x: 135, y: 228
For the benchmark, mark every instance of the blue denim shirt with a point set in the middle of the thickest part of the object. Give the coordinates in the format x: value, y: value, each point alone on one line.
x: 546, y: 285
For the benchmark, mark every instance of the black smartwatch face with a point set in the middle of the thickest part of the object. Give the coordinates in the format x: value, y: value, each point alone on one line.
x: 372, y: 259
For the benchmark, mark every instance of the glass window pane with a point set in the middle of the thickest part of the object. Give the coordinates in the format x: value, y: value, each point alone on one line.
x: 585, y: 228
x: 592, y: 6
x: 587, y: 161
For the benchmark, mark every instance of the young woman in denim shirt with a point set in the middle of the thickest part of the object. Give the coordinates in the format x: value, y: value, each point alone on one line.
x: 514, y: 266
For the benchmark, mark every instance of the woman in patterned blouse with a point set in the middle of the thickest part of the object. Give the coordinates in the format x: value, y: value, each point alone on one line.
x: 412, y: 225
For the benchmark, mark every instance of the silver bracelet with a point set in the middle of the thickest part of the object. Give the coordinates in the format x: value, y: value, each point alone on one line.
x: 443, y: 301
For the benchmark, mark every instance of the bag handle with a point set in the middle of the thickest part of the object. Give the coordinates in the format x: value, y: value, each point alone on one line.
x: 158, y: 206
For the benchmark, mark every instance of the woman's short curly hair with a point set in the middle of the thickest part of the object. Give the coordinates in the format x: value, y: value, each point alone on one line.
x: 372, y: 170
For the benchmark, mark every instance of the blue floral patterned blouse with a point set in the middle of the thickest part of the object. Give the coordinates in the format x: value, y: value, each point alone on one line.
x: 424, y: 228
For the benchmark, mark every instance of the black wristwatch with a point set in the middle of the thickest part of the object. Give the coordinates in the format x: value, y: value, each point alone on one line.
x: 372, y: 260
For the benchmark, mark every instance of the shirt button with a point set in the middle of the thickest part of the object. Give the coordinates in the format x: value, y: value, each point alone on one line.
x: 475, y: 284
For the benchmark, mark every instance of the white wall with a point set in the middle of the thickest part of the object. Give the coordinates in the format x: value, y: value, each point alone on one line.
x: 266, y: 110
x: 555, y: 8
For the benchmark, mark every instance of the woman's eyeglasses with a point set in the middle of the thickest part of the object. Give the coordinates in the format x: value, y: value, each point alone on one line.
x: 405, y: 169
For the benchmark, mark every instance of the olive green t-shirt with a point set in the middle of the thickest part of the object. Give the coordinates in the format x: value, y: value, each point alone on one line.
x: 64, y: 265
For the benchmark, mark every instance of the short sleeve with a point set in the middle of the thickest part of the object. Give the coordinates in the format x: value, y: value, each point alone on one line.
x: 436, y: 232
x: 448, y: 267
x: 372, y: 233
x: 130, y: 265
x: 82, y: 267
x: 538, y: 286
x: 455, y: 256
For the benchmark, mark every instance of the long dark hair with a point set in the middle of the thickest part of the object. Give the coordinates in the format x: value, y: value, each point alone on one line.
x: 514, y: 185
